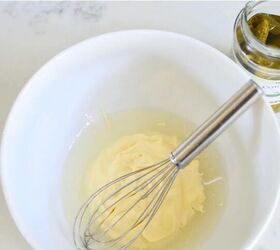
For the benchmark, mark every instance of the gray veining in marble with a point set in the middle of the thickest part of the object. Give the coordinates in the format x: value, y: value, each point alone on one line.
x: 37, y: 15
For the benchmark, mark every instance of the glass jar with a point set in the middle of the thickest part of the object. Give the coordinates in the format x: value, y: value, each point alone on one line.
x: 260, y: 60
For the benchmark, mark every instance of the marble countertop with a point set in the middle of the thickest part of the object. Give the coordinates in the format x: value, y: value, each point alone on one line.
x: 31, y: 33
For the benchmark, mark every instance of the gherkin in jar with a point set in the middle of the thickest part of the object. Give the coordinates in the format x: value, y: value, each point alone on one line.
x: 257, y: 47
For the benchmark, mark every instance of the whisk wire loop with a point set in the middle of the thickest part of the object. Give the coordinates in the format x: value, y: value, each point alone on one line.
x: 104, y: 210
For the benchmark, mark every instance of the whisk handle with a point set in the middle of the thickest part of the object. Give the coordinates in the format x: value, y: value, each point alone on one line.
x: 216, y: 124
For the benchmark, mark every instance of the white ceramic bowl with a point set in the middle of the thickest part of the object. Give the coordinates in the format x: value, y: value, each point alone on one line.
x: 123, y: 70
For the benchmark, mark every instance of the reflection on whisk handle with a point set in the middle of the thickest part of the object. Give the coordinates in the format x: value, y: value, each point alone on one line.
x: 216, y: 124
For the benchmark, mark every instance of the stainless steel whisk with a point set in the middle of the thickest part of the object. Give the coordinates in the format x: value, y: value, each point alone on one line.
x: 135, y: 198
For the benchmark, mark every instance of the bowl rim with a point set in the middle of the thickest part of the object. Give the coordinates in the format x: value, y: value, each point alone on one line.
x: 251, y: 241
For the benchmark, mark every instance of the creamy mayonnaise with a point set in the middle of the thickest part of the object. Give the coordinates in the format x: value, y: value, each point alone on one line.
x: 129, y: 153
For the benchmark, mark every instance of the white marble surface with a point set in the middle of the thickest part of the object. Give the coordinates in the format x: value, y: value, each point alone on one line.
x: 31, y: 33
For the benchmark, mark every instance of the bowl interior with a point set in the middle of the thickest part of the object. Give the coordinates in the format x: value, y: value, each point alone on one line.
x: 121, y: 71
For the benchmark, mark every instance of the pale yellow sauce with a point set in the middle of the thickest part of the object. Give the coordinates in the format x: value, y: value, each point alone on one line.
x: 110, y: 147
x: 133, y: 152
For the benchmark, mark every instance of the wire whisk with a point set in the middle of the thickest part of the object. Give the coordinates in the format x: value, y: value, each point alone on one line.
x: 154, y: 183
x: 117, y: 214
